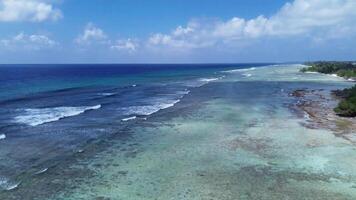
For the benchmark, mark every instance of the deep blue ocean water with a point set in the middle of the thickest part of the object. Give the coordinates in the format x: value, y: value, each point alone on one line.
x: 21, y: 80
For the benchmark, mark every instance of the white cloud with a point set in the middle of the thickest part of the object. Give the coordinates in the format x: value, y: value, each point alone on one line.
x: 91, y: 34
x: 194, y: 35
x: 94, y: 37
x: 299, y: 18
x: 182, y: 31
x: 128, y: 45
x: 23, y: 41
x: 303, y: 16
x: 28, y: 10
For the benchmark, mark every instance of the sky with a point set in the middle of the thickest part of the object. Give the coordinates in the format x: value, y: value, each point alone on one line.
x: 176, y: 31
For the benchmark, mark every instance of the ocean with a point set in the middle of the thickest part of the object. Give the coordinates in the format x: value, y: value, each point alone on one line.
x: 200, y: 131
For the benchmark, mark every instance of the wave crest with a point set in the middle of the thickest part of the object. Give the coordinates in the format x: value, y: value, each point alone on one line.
x: 240, y: 70
x: 38, y: 116
x: 128, y: 119
x: 147, y: 109
x: 6, y: 184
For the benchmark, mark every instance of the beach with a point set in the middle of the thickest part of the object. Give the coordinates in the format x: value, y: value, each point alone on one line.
x: 251, y: 132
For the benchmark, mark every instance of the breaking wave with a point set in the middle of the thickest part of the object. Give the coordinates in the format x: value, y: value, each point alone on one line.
x: 147, y: 109
x: 38, y: 116
x: 241, y: 70
x: 128, y: 119
x: 6, y: 184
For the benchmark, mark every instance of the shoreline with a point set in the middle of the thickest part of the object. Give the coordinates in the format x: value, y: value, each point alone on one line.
x: 333, y: 110
x: 316, y: 106
x: 334, y: 75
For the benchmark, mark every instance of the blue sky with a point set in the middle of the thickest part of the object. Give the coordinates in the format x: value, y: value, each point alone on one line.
x: 176, y: 31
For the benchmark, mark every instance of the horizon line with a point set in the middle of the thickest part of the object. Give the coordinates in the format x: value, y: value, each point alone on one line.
x: 159, y: 63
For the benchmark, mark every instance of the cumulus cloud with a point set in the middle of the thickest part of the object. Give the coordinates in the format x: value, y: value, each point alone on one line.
x: 94, y: 37
x: 23, y: 41
x: 195, y: 35
x: 28, y: 10
x: 91, y: 34
x: 128, y: 45
x: 298, y: 18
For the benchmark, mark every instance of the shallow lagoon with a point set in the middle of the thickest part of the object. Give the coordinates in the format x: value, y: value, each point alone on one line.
x: 235, y: 138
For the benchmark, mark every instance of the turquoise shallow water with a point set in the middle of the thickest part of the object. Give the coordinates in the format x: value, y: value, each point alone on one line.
x: 233, y: 138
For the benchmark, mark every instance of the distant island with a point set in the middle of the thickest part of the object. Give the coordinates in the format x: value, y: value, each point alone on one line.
x: 347, y: 70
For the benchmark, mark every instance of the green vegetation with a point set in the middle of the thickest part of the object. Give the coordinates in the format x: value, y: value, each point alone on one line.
x: 343, y: 69
x: 347, y: 73
x: 347, y: 106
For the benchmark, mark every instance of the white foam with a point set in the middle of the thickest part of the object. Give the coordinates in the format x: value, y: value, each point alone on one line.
x: 3, y: 181
x: 107, y: 94
x: 12, y: 186
x: 41, y: 171
x: 208, y: 79
x: 185, y: 92
x: 200, y: 82
x: 147, y: 109
x: 128, y: 119
x: 5, y: 184
x: 240, y: 70
x: 247, y: 75
x: 2, y: 136
x: 153, y: 105
x: 34, y: 117
x: 332, y: 75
